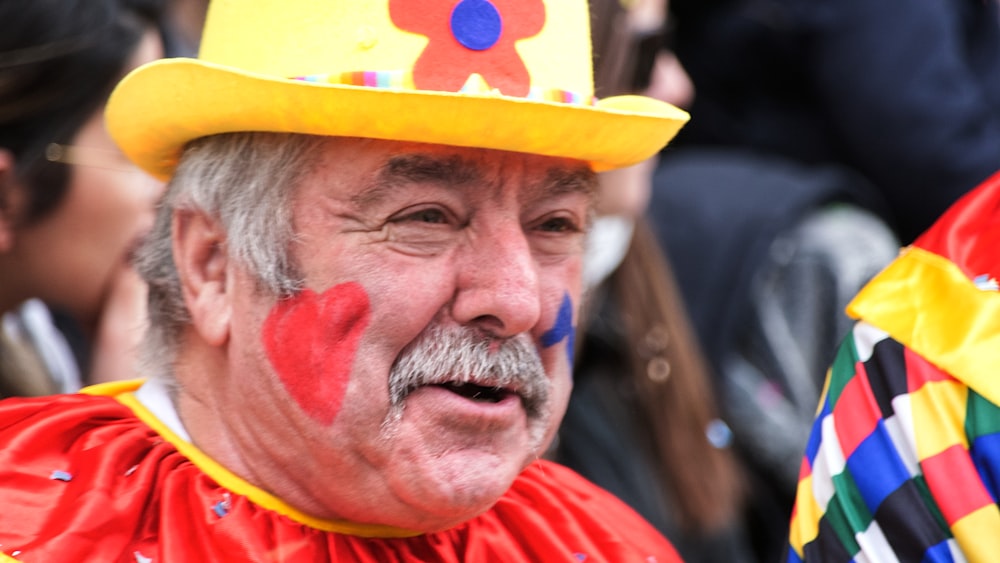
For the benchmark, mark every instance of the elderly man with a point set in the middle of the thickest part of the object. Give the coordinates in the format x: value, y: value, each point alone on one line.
x: 363, y: 286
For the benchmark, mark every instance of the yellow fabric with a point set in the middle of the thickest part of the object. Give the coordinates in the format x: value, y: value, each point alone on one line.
x: 932, y: 404
x: 805, y: 522
x: 242, y: 82
x: 928, y: 304
x: 112, y: 388
x: 976, y: 534
x: 123, y: 392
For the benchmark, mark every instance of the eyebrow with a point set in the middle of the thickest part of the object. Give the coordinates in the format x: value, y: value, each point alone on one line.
x: 571, y: 180
x: 451, y: 171
x: 455, y: 172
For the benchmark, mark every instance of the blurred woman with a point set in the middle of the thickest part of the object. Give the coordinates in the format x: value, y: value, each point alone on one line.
x: 642, y: 420
x: 71, y: 206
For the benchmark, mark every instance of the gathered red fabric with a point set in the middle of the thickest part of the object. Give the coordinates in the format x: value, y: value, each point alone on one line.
x: 83, y: 478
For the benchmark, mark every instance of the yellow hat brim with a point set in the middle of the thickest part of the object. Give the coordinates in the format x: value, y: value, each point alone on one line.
x: 160, y: 107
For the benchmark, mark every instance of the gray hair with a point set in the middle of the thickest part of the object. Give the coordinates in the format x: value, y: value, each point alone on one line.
x: 245, y: 182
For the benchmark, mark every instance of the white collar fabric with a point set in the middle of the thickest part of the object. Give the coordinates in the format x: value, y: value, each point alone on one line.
x: 155, y: 396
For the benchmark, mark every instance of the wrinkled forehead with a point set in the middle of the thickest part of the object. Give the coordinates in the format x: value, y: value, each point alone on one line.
x: 380, y: 166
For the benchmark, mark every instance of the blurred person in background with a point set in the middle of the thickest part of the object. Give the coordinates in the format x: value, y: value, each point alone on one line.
x: 767, y: 251
x: 72, y: 207
x: 187, y: 18
x: 642, y: 421
x: 767, y: 254
x: 907, y: 98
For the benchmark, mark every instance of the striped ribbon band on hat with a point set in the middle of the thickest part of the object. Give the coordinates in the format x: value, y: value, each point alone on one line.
x: 403, y: 80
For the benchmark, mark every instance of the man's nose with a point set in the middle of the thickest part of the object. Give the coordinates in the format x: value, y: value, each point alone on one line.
x: 497, y: 286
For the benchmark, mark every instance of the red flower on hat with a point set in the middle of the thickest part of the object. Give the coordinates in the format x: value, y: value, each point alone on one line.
x: 470, y: 36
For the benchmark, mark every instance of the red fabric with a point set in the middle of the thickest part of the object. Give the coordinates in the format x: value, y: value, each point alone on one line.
x: 968, y: 233
x: 130, y: 496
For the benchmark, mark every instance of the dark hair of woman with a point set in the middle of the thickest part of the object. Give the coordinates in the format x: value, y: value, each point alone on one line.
x: 674, y: 390
x: 665, y: 374
x: 59, y: 61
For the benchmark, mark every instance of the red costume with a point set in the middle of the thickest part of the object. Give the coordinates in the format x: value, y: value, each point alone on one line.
x: 100, y: 478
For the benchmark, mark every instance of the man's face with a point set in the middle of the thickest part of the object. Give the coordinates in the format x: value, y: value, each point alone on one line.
x: 428, y: 359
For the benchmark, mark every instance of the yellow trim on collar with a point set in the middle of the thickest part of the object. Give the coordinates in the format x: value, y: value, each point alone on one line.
x: 122, y: 391
x: 928, y: 304
x: 4, y: 558
x: 113, y: 388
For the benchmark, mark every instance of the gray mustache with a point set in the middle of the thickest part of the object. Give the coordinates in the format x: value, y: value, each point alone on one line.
x: 461, y: 355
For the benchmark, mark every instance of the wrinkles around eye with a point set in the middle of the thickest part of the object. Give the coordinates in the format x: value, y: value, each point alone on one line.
x: 432, y: 230
x: 422, y: 231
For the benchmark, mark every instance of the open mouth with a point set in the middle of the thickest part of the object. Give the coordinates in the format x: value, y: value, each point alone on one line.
x: 472, y: 366
x: 478, y: 392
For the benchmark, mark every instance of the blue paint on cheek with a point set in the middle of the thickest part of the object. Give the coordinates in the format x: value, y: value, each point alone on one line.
x: 563, y: 329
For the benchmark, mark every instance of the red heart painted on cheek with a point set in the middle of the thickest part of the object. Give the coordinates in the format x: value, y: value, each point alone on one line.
x: 311, y: 340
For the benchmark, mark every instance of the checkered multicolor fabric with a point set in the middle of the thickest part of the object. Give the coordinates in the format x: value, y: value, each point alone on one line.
x: 903, y: 463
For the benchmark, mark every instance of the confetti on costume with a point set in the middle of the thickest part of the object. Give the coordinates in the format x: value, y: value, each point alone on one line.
x: 903, y: 463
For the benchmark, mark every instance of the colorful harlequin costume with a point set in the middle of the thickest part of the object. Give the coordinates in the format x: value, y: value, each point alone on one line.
x: 904, y: 459
x: 103, y: 478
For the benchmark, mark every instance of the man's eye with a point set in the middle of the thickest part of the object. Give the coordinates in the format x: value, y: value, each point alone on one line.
x: 559, y: 225
x: 435, y: 216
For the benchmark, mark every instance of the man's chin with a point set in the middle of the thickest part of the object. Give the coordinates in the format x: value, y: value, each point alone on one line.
x: 451, y: 458
x: 454, y: 488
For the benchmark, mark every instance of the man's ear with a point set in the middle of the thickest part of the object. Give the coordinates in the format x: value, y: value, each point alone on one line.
x: 199, y: 245
x: 12, y: 200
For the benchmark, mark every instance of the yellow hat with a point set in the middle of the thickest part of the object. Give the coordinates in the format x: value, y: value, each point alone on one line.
x: 499, y: 74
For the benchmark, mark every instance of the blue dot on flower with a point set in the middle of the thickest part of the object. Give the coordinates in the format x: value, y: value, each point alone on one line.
x: 476, y: 24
